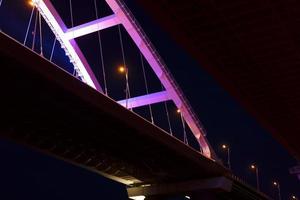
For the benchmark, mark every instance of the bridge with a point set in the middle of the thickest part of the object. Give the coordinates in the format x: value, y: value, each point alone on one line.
x: 72, y: 116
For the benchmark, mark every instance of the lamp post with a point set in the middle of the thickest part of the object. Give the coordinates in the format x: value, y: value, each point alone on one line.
x: 277, y: 185
x: 226, y: 147
x: 255, y: 168
x: 185, y: 139
x: 122, y: 70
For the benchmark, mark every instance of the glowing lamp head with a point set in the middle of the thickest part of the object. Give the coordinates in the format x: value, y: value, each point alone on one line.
x: 187, y: 197
x: 294, y: 197
x: 224, y: 146
x: 178, y: 111
x: 275, y: 183
x: 121, y: 69
x: 31, y: 3
x: 252, y: 166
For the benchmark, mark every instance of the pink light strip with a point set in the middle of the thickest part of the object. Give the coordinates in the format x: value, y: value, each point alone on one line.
x: 70, y: 46
x: 145, y: 100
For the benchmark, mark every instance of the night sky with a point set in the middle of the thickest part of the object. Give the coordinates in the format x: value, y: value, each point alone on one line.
x: 25, y: 173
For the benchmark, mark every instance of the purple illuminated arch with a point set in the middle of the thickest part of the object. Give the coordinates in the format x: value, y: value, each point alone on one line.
x: 122, y: 15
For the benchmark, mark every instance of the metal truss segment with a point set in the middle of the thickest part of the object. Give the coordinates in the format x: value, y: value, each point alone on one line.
x: 71, y: 48
x: 93, y: 26
x: 145, y: 100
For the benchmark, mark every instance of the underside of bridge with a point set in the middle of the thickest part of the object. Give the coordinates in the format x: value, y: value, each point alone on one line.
x: 49, y: 110
x: 251, y: 47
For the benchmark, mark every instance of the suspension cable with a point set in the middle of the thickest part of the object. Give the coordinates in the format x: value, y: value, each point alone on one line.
x: 72, y: 25
x: 168, y: 117
x: 127, y: 90
x: 146, y: 86
x: 53, y: 47
x: 101, y: 52
x: 185, y: 140
x: 74, y: 72
x: 71, y: 13
x: 34, y: 31
x: 29, y: 23
x: 41, y: 35
x: 167, y: 113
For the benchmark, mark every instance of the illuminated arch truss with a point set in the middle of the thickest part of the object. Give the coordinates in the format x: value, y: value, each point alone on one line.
x: 122, y: 15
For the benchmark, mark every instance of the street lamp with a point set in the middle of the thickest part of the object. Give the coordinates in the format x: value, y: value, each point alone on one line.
x: 226, y: 147
x: 122, y: 70
x: 294, y: 197
x: 255, y: 168
x: 277, y: 185
x: 30, y: 2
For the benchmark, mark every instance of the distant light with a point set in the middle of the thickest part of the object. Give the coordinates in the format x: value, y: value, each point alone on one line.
x: 138, y: 197
x: 146, y: 185
x: 187, y: 197
x: 178, y: 111
x: 224, y: 146
x: 121, y: 69
x: 252, y: 166
x: 275, y: 183
x: 294, y: 197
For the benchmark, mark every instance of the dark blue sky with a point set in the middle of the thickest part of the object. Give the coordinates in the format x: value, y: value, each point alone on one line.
x: 224, y: 119
x: 27, y: 174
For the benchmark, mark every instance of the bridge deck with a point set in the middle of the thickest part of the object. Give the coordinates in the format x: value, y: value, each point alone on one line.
x: 47, y: 108
x: 51, y: 111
